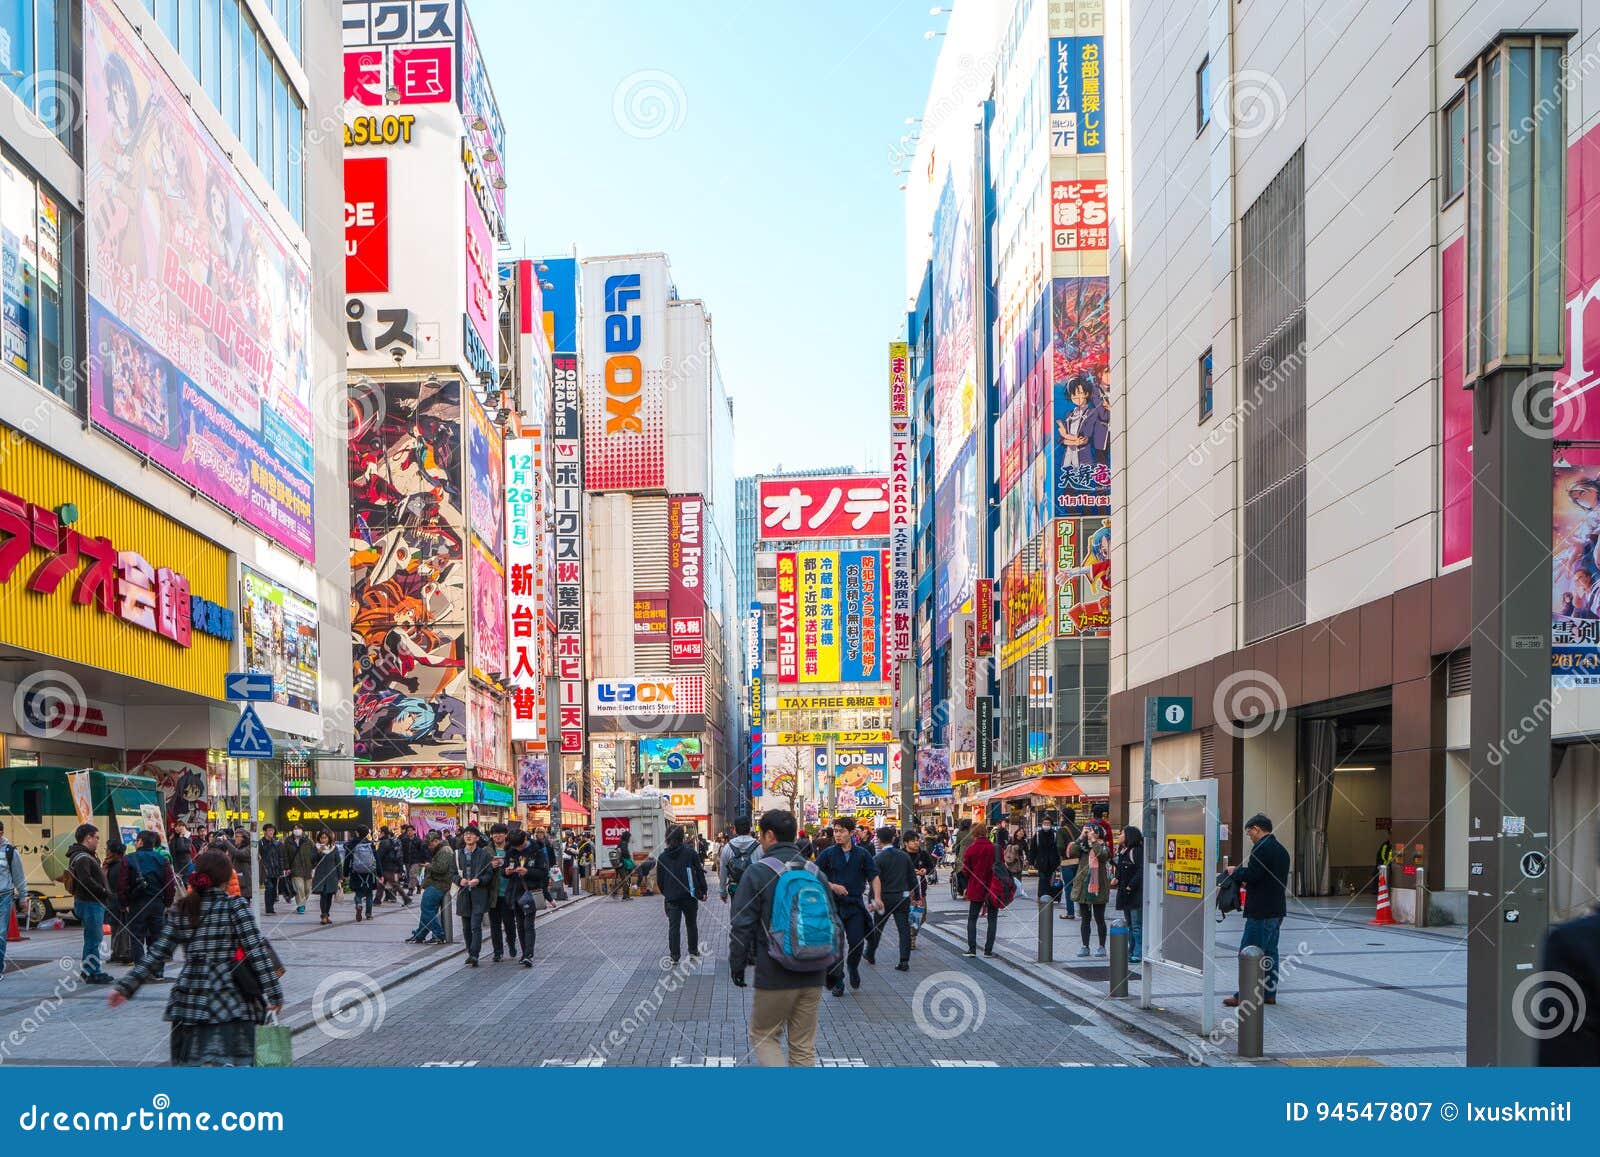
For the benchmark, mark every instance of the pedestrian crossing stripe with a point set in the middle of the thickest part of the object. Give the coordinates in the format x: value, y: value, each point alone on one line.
x: 938, y: 1064
x: 841, y: 1063
x: 580, y: 1063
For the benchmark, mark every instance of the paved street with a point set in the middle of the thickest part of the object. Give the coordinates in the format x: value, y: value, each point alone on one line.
x: 603, y: 993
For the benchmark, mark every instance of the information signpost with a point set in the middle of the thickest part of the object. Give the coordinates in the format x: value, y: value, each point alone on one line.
x: 1180, y: 889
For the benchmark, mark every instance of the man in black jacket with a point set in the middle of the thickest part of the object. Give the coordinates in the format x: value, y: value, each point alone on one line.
x: 1572, y: 963
x: 786, y: 1002
x: 91, y: 896
x: 681, y: 880
x: 1045, y: 855
x: 1265, y: 876
x: 473, y: 873
x: 897, y: 877
x: 269, y: 863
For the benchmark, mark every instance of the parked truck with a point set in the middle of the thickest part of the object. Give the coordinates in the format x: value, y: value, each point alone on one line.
x: 645, y: 817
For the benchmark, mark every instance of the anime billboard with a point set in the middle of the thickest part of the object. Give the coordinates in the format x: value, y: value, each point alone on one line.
x: 1575, y: 579
x: 485, y: 478
x: 955, y: 540
x: 1081, y: 357
x: 408, y: 581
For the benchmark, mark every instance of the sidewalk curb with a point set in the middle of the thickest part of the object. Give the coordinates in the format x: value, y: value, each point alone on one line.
x: 1099, y: 1003
x: 300, y: 1022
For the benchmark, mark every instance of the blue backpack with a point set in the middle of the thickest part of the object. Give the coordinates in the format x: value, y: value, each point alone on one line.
x: 803, y: 932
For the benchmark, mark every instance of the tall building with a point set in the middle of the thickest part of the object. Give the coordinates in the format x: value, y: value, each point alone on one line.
x: 425, y: 160
x: 1295, y: 504
x: 664, y: 639
x: 172, y: 488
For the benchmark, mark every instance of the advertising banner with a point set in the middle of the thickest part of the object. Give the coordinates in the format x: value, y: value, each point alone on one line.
x: 624, y: 397
x: 485, y: 478
x: 955, y: 389
x: 1083, y: 578
x: 366, y: 224
x: 955, y: 531
x: 566, y: 478
x: 847, y: 506
x: 524, y: 588
x: 408, y: 575
x: 199, y: 308
x: 672, y: 695
x: 819, y: 616
x: 983, y: 615
x: 897, y: 613
x: 478, y: 106
x: 1082, y: 404
x: 860, y: 656
x: 483, y: 276
x: 834, y: 702
x: 1077, y: 96
x: 407, y: 46
x: 753, y: 662
x: 788, y: 608
x: 1079, y: 216
x: 318, y: 813
x: 1575, y: 609
x: 279, y: 631
x: 484, y: 749
x: 860, y: 777
x: 533, y: 778
x: 686, y: 600
x: 668, y: 755
x: 488, y: 615
x: 933, y: 773
x: 804, y: 738
x: 1025, y: 602
x: 650, y: 617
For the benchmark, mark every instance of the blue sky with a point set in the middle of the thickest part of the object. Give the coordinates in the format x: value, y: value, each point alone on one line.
x: 767, y: 181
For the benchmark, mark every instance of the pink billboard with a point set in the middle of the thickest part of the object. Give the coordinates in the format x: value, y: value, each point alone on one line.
x: 482, y: 275
x: 199, y: 309
x: 1577, y: 413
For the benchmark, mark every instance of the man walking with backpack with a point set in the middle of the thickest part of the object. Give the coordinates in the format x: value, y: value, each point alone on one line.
x: 785, y: 922
x: 737, y: 856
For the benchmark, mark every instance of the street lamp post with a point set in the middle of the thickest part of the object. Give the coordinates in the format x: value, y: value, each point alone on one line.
x: 1515, y: 330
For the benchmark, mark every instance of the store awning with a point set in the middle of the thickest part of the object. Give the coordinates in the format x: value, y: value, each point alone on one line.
x: 1053, y: 786
x: 572, y: 807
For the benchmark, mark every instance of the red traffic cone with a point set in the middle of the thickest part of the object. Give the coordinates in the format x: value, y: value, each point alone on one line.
x: 13, y: 933
x: 1382, y: 917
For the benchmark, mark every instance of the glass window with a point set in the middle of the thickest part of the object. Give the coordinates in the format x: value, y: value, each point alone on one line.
x: 211, y: 50
x: 247, y: 84
x: 16, y: 43
x: 167, y: 17
x: 1202, y: 94
x: 1455, y: 149
x: 230, y: 64
x: 263, y: 105
x: 1205, y: 385
x: 280, y: 134
x: 189, y: 35
x: 38, y: 285
x: 297, y: 145
x: 293, y: 30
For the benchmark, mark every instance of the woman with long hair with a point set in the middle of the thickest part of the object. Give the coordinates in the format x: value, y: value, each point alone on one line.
x: 1130, y: 894
x: 229, y: 981
x: 325, y: 876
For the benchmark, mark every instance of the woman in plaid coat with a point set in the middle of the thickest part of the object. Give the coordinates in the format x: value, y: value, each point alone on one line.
x: 213, y: 1016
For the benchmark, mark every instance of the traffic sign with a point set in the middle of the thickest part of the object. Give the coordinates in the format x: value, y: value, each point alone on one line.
x: 1174, y: 713
x: 250, y: 739
x: 675, y: 761
x: 248, y: 686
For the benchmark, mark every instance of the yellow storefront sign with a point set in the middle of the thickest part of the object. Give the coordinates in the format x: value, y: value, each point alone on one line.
x: 1185, y: 866
x: 1028, y: 642
x: 89, y: 574
x: 801, y: 738
x: 832, y: 702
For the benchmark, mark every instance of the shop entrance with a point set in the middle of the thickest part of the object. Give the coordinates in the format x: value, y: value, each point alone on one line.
x: 1342, y: 800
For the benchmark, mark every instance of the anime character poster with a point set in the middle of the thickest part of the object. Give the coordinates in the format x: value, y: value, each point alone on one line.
x: 956, y: 541
x: 485, y: 479
x: 488, y: 615
x: 933, y: 773
x: 1083, y: 578
x: 199, y: 308
x: 955, y: 391
x: 533, y: 779
x: 181, y: 777
x: 408, y: 576
x: 1081, y: 373
x: 485, y: 726
x: 1575, y: 578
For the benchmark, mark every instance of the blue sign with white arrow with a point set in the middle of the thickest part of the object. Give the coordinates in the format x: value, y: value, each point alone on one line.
x: 248, y: 686
x: 250, y: 739
x: 675, y: 761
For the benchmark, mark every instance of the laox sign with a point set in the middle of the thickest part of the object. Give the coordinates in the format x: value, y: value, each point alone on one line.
x: 636, y: 692
x: 624, y: 375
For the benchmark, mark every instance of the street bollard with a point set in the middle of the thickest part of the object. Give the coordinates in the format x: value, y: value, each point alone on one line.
x: 447, y: 915
x: 1047, y: 930
x: 1119, y: 959
x: 1252, y: 1000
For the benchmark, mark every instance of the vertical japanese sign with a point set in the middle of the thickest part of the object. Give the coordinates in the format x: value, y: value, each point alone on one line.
x: 861, y: 587
x: 1079, y: 216
x: 524, y: 588
x: 1077, y: 96
x: 1083, y: 578
x: 897, y: 635
x: 788, y: 605
x: 686, y: 600
x: 757, y: 708
x: 819, y: 616
x: 566, y: 476
x: 983, y: 602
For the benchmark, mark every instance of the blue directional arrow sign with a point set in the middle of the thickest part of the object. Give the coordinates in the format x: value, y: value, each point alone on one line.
x: 675, y: 761
x: 250, y: 739
x: 248, y: 686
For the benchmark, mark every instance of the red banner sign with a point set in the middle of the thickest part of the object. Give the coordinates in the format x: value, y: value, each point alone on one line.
x: 366, y: 224
x: 984, y: 604
x: 686, y: 599
x: 843, y: 506
x: 788, y: 618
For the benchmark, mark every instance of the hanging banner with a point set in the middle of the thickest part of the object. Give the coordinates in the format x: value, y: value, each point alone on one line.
x: 1575, y: 587
x: 1083, y: 578
x: 933, y: 773
x: 983, y: 601
x: 788, y: 592
x: 82, y: 800
x: 686, y: 601
x: 566, y: 481
x: 525, y: 587
x: 533, y: 779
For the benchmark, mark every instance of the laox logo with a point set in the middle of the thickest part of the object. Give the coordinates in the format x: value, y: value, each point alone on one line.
x: 636, y: 692
x: 624, y: 374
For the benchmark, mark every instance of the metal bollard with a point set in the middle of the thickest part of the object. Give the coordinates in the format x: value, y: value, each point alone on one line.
x: 1252, y: 1001
x: 1047, y: 930
x: 447, y: 915
x: 1119, y: 959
